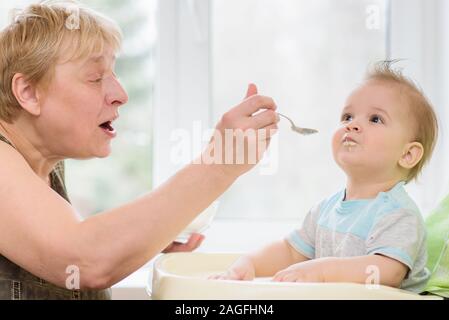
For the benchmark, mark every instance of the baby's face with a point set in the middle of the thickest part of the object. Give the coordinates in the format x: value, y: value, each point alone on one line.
x: 375, y: 127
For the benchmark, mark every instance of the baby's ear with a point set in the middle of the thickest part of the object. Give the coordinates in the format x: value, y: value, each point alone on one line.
x: 412, y: 155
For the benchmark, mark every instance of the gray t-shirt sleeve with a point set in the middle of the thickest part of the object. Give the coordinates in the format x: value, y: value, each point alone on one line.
x: 399, y: 235
x: 303, y: 239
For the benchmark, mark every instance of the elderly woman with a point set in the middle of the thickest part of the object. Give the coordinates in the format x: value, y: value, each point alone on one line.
x: 59, y: 98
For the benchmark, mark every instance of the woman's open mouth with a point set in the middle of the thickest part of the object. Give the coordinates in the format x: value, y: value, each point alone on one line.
x: 108, y: 129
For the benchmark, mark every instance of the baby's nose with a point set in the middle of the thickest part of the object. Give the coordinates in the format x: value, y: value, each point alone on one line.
x: 352, y: 127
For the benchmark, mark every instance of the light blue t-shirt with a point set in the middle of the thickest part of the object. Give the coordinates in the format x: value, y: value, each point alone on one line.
x: 390, y: 225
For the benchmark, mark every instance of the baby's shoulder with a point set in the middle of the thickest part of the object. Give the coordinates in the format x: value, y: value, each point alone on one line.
x: 397, y: 209
x: 398, y: 201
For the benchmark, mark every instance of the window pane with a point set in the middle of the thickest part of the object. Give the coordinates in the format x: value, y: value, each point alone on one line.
x: 99, y: 184
x: 307, y: 55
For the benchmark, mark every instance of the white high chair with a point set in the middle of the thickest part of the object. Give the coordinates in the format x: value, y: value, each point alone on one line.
x: 183, y: 276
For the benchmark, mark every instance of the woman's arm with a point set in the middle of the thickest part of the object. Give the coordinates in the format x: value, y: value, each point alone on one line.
x: 40, y: 232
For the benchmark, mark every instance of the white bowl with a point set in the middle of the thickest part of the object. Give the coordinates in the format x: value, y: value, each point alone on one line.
x: 200, y: 224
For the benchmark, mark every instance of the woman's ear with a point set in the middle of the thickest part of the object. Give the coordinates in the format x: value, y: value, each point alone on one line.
x: 26, y: 94
x: 412, y: 155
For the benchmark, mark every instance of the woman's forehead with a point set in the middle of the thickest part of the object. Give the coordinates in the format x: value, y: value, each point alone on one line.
x: 106, y: 60
x: 73, y: 48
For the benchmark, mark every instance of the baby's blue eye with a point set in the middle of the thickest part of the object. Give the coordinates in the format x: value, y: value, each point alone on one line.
x: 376, y: 119
x: 346, y: 117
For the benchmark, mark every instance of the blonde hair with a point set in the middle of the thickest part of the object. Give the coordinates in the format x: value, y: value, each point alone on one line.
x: 40, y: 36
x: 420, y: 109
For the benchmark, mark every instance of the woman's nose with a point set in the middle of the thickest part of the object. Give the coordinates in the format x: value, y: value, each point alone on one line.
x: 117, y: 95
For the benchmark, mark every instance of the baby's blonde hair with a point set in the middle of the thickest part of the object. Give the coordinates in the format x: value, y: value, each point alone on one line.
x: 43, y: 34
x: 420, y: 109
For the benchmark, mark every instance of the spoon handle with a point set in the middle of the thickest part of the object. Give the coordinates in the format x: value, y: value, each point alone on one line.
x: 303, y: 131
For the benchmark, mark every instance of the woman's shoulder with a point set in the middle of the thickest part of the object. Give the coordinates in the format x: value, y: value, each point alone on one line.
x: 17, y: 174
x: 11, y: 162
x: 17, y: 179
x: 18, y: 182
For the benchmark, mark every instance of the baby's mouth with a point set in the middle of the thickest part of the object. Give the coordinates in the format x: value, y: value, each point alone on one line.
x: 348, y: 143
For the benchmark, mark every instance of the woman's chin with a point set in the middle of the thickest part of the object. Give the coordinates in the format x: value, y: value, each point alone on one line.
x: 104, y: 153
x: 91, y: 155
x: 101, y: 153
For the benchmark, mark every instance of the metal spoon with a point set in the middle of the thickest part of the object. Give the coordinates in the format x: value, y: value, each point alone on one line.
x: 303, y: 131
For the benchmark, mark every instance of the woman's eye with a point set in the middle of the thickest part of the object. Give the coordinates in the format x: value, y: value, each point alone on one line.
x: 376, y: 119
x: 96, y: 78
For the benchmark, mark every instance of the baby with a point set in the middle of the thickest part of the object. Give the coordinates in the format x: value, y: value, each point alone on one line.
x: 372, y: 230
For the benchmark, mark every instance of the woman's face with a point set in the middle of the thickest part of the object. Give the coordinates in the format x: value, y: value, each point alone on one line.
x: 79, y: 106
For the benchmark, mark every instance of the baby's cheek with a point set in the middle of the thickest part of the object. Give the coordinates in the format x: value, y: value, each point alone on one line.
x: 385, y: 148
x: 336, y: 151
x: 336, y: 138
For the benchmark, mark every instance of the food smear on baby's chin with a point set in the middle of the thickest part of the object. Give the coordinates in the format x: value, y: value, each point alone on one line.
x: 349, y: 145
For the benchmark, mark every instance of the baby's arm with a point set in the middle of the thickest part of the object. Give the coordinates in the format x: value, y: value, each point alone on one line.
x: 278, y: 255
x: 390, y: 272
x: 263, y: 263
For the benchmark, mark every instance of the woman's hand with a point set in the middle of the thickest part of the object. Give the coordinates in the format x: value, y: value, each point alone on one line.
x: 308, y: 271
x: 193, y: 244
x: 243, y: 269
x: 243, y: 134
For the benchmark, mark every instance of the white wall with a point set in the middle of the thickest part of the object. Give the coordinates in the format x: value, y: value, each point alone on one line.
x: 420, y: 34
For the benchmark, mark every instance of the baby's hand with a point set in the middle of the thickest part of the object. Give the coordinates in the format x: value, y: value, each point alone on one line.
x: 309, y: 271
x: 233, y: 274
x: 242, y: 269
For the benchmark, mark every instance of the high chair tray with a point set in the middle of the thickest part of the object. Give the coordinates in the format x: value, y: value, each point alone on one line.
x: 183, y: 276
